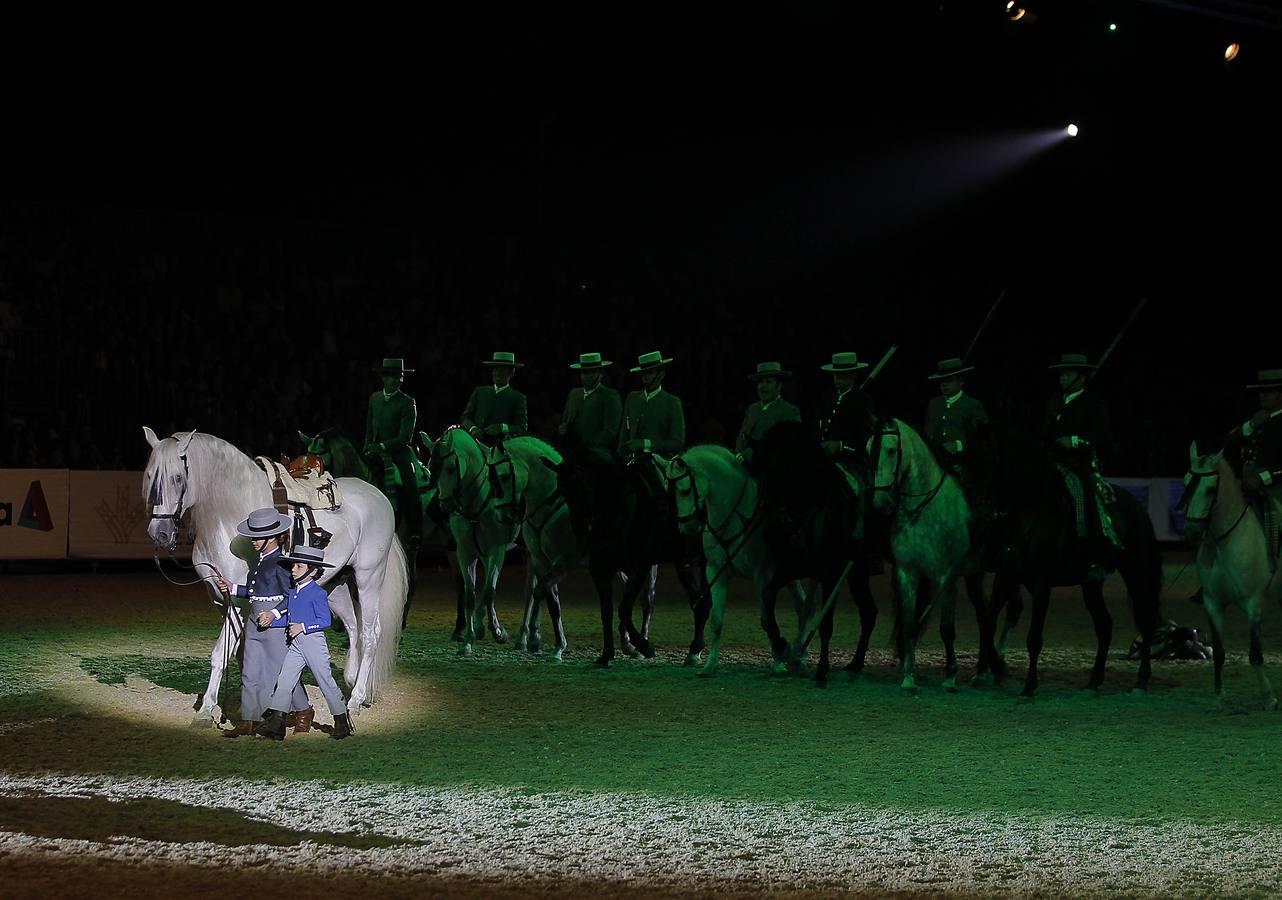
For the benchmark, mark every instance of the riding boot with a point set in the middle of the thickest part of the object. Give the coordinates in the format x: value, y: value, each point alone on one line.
x: 343, y: 726
x: 303, y: 720
x: 245, y: 728
x: 273, y: 725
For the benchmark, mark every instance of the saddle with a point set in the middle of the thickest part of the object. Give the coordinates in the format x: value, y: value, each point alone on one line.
x: 318, y: 492
x: 1105, y: 503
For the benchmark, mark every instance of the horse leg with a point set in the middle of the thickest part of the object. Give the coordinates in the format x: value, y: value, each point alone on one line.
x: 552, y: 592
x: 825, y: 640
x: 369, y: 586
x: 717, y: 615
x: 603, y: 577
x: 907, y: 584
x: 1041, y: 600
x: 1215, y: 618
x: 983, y: 619
x: 1257, y: 654
x: 224, y: 650
x: 463, y: 613
x: 689, y: 577
x: 647, y: 609
x: 1093, y: 594
x: 629, y: 637
x: 468, y: 571
x: 770, y: 624
x: 862, y: 594
x: 1012, y: 597
x: 533, y: 593
x: 494, y: 566
x: 947, y: 594
x: 342, y: 603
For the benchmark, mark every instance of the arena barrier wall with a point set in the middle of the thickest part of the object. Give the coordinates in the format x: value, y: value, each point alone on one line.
x: 63, y: 514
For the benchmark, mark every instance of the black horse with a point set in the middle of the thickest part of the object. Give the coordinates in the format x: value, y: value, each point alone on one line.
x: 1034, y: 543
x: 627, y: 524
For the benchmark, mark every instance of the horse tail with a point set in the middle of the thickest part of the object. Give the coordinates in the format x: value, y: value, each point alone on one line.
x: 391, y: 604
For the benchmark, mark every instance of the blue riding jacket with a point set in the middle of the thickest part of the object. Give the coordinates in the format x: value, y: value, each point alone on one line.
x: 268, y: 582
x: 307, y: 606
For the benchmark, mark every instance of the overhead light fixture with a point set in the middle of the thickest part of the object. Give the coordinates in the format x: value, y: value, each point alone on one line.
x: 1231, y: 51
x: 1071, y: 130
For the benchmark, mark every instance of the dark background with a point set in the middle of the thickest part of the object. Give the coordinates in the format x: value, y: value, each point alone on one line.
x: 225, y: 227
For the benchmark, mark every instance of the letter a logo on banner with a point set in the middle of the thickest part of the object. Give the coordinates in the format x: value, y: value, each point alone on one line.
x: 35, y: 512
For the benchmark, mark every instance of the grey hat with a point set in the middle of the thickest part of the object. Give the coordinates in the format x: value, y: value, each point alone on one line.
x: 308, y: 556
x: 1073, y: 361
x: 264, y: 523
x: 590, y: 362
x: 949, y: 368
x: 648, y: 361
x: 503, y: 358
x: 844, y: 362
x: 769, y: 370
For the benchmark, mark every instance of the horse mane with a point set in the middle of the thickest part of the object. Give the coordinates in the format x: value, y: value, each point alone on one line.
x: 712, y: 455
x: 529, y: 445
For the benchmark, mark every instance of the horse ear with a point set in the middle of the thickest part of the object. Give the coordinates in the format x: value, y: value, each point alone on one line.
x: 307, y: 441
x: 150, y: 436
x: 184, y: 439
x: 425, y: 438
x: 553, y: 466
x: 1193, y: 454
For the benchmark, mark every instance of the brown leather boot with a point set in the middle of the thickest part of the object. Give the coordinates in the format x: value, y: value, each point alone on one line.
x: 303, y: 720
x: 245, y: 728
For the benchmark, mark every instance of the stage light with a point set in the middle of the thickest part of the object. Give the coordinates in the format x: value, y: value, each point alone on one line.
x: 1017, y: 13
x: 1112, y: 26
x: 1071, y: 129
x: 1231, y: 51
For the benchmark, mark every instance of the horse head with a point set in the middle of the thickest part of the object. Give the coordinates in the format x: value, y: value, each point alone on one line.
x: 885, y: 454
x: 455, y: 463
x: 1201, y: 489
x: 166, y: 485
x: 681, y: 483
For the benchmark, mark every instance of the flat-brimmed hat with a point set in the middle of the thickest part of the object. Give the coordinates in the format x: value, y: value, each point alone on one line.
x: 1072, y: 361
x: 264, y: 523
x: 949, y: 368
x: 844, y: 362
x: 590, y: 361
x: 648, y: 361
x: 769, y: 370
x: 394, y: 367
x: 1269, y: 378
x: 308, y: 556
x: 502, y: 358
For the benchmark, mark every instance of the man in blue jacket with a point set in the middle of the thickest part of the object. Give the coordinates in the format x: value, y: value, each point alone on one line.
x: 266, y: 588
x: 305, y: 616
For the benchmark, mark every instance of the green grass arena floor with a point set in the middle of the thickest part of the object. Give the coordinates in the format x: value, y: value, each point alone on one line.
x: 508, y: 774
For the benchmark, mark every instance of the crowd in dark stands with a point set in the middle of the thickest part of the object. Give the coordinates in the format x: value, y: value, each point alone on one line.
x: 252, y: 330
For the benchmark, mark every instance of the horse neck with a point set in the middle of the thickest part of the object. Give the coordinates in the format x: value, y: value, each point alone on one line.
x: 1229, y: 500
x: 228, y: 485
x: 736, y: 492
x: 922, y: 471
x: 473, y: 477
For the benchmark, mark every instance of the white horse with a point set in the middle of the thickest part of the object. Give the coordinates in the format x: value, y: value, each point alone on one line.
x: 1232, y: 558
x: 219, y: 485
x: 548, y: 532
x: 483, y: 525
x: 930, y: 537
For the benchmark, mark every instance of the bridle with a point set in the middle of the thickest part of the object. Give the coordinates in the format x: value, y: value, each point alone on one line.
x: 896, y: 484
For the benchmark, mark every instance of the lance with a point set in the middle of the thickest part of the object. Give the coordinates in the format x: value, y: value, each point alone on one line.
x: 1111, y: 347
x: 880, y: 365
x: 975, y: 340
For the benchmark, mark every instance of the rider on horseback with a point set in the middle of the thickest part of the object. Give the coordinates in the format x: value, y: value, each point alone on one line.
x: 1076, y: 429
x: 389, y: 429
x: 956, y: 428
x: 1255, y: 449
x: 593, y: 410
x: 769, y: 410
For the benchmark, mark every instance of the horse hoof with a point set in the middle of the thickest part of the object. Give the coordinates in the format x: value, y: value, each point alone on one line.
x: 602, y: 661
x: 556, y: 655
x: 1271, y: 704
x: 779, y: 667
x: 535, y: 646
x: 519, y: 644
x: 908, y: 686
x: 1139, y: 692
x: 1091, y: 690
x: 1025, y: 696
x: 707, y: 671
x: 692, y: 660
x: 982, y: 680
x: 200, y: 699
x: 465, y: 650
x: 627, y: 649
x: 500, y: 636
x: 950, y: 686
x: 647, y: 649
x: 202, y: 722
x: 457, y: 636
